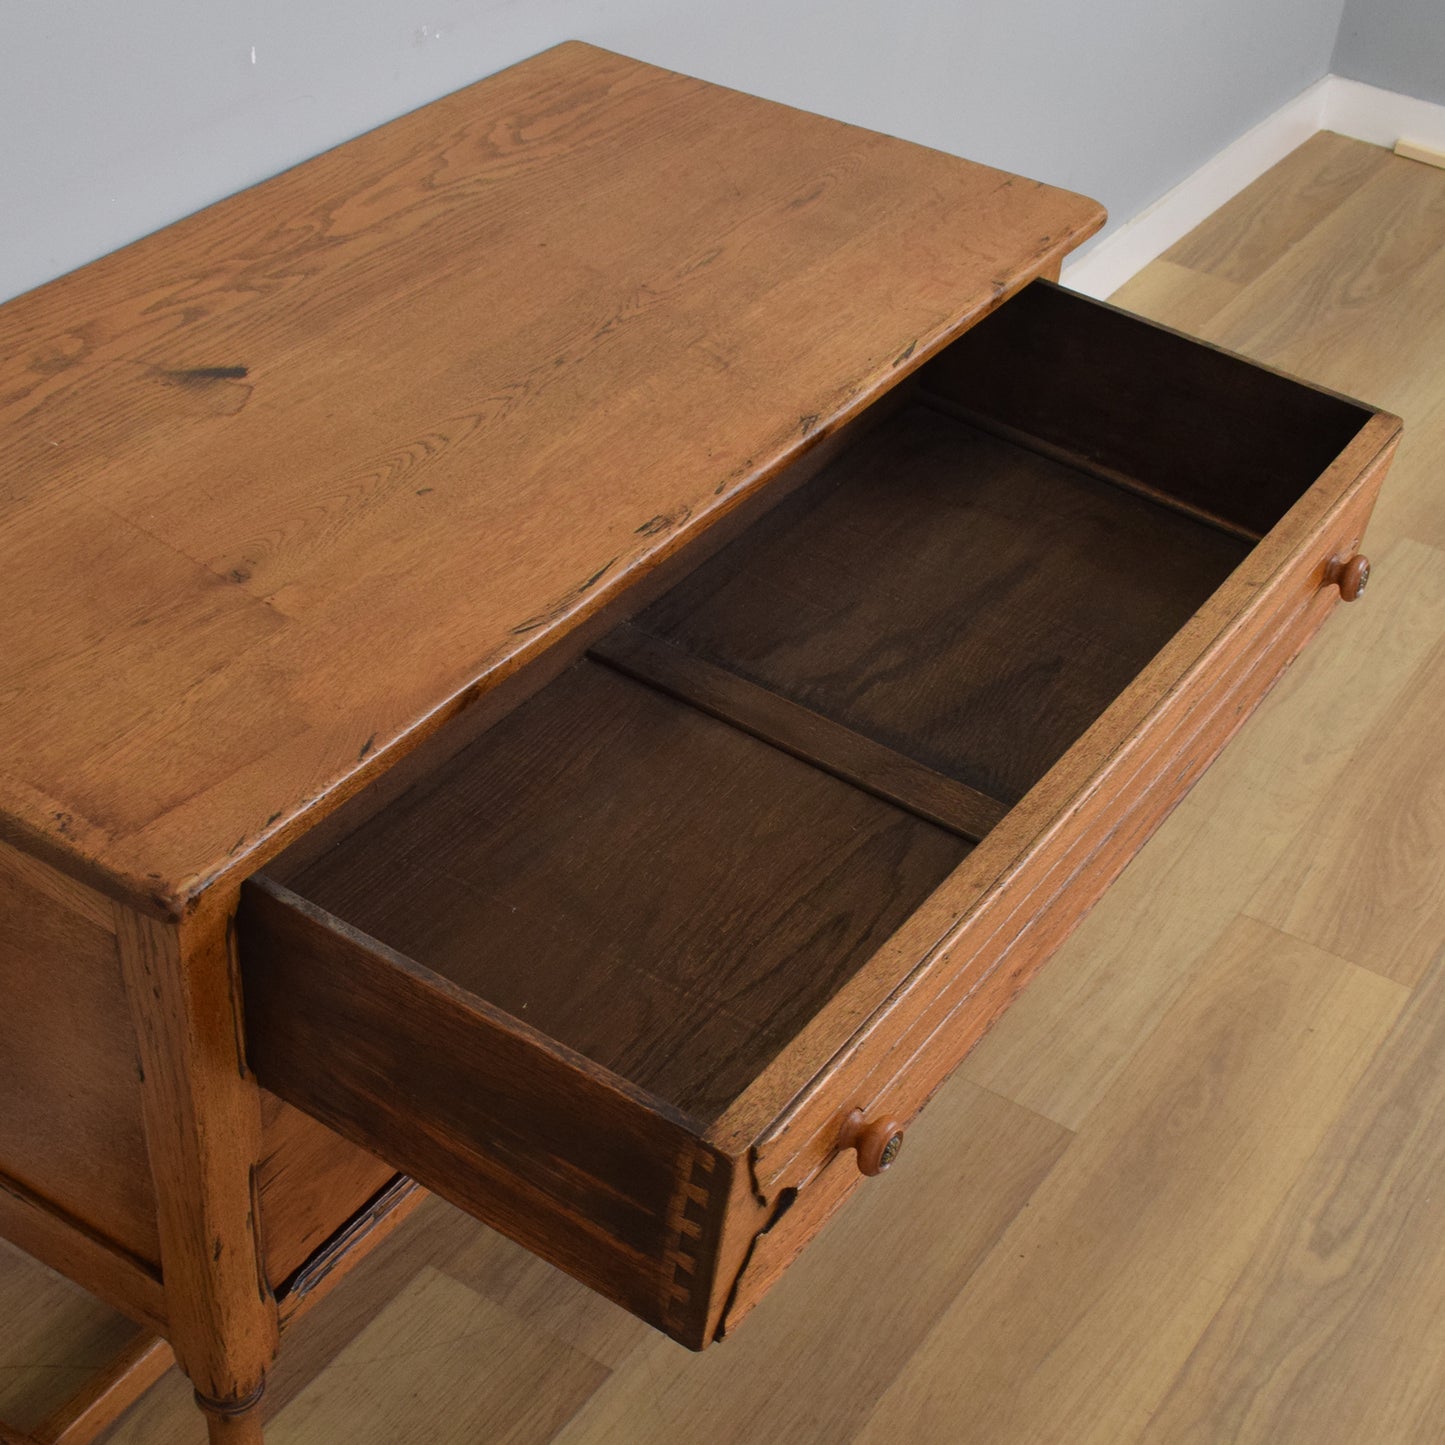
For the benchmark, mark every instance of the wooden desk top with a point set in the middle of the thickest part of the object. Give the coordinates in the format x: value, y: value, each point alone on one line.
x: 286, y: 483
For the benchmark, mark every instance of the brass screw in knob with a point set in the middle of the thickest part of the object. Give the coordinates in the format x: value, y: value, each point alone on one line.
x: 876, y: 1143
x: 1349, y: 574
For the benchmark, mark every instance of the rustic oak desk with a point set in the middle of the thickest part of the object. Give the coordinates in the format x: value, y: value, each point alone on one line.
x: 578, y: 649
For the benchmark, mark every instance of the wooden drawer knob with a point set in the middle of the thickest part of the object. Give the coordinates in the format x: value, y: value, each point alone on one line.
x: 1349, y: 574
x: 877, y: 1143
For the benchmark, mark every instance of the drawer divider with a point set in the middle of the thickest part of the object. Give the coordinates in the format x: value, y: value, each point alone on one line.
x: 795, y: 729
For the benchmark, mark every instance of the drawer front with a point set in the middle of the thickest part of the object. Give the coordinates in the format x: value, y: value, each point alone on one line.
x: 906, y: 1050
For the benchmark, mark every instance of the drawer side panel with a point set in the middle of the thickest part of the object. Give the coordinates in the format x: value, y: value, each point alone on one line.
x: 540, y: 1145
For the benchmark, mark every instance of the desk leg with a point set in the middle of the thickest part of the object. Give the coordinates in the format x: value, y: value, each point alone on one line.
x: 232, y: 1424
x: 203, y: 1132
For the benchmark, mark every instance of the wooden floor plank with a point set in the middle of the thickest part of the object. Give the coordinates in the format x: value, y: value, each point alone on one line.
x: 1103, y: 1285
x: 1177, y: 296
x: 1364, y: 878
x: 545, y: 1298
x: 1062, y: 1044
x: 471, y: 1375
x: 1249, y: 233
x: 1359, y: 303
x: 808, y: 1363
x: 1411, y: 505
x: 1335, y: 1331
x: 53, y: 1338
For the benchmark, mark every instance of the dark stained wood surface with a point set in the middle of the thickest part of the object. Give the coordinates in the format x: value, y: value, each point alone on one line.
x: 953, y: 596
x: 1142, y: 402
x: 648, y: 886
x: 807, y: 735
x: 430, y: 399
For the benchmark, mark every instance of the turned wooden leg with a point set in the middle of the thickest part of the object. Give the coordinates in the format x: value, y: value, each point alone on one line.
x: 203, y: 1133
x: 233, y: 1424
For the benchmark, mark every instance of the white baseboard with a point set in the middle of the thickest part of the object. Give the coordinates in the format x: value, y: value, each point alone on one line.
x: 1381, y: 116
x: 1365, y: 112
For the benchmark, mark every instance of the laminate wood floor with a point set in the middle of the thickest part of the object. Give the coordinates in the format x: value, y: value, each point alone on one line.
x: 1192, y: 1188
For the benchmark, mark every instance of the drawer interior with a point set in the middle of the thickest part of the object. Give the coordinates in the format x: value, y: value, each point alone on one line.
x: 954, y: 596
x: 673, y: 855
x: 662, y: 893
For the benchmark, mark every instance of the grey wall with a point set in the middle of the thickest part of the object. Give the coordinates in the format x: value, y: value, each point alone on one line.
x: 119, y: 117
x: 1397, y: 44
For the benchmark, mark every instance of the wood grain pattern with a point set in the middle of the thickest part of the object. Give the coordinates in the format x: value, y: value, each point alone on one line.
x: 434, y: 1309
x: 1248, y: 234
x: 265, y: 416
x: 1062, y: 1044
x: 227, y: 1425
x: 1362, y: 878
x: 1332, y: 1331
x: 307, y: 1179
x: 71, y: 896
x: 528, y: 841
x: 199, y: 1103
x: 973, y: 1163
x: 972, y: 975
x: 107, y: 1395
x: 365, y: 1231
x: 56, y: 1337
x: 127, y: 1284
x: 531, y: 854
x: 437, y: 750
x: 1187, y: 299
x: 1280, y: 575
x: 1140, y: 1228
x: 1359, y: 303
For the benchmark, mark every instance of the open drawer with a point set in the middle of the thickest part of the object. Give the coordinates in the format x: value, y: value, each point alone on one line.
x: 650, y: 973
